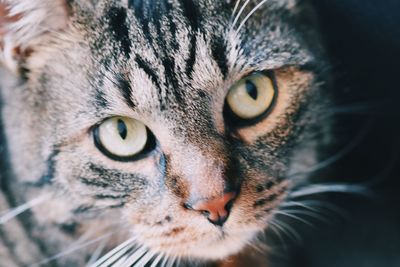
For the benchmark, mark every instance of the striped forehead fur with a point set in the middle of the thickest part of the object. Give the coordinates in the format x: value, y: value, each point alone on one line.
x: 147, y: 39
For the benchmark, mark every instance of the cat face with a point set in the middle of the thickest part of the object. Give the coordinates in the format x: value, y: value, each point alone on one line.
x: 178, y: 120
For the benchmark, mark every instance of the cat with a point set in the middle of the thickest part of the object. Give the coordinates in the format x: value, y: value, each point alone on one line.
x: 165, y: 131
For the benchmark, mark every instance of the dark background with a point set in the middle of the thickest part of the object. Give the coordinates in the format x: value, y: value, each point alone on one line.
x: 363, y: 40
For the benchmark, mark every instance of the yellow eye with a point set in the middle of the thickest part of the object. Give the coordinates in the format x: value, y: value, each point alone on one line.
x: 251, y: 96
x: 121, y: 138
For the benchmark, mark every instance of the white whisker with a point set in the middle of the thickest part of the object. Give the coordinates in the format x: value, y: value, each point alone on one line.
x: 235, y: 8
x: 164, y: 261
x: 276, y: 231
x: 289, y: 231
x: 157, y: 260
x: 249, y: 15
x: 338, y: 155
x: 178, y: 261
x: 8, y: 215
x: 321, y: 208
x: 115, y: 253
x: 330, y: 188
x: 120, y: 262
x: 131, y: 259
x: 287, y: 214
x: 145, y: 259
x: 289, y: 204
x: 314, y: 215
x: 96, y: 254
x: 315, y: 205
x: 171, y: 262
x: 71, y: 250
x: 240, y: 13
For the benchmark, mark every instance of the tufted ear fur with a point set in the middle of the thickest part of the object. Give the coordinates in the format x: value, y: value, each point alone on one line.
x: 23, y: 23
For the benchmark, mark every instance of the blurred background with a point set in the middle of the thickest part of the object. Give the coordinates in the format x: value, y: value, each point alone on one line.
x: 363, y: 40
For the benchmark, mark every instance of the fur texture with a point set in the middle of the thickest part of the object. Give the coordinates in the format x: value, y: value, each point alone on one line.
x: 170, y: 65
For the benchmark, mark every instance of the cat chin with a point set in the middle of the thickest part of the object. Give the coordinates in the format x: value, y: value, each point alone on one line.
x: 207, y: 251
x: 222, y: 249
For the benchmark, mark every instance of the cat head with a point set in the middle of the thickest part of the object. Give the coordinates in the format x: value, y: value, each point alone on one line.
x: 179, y: 120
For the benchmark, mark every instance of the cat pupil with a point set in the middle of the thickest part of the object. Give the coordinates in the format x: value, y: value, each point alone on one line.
x: 251, y: 90
x: 123, y: 132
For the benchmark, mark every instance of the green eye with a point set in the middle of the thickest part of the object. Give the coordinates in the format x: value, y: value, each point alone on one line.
x: 121, y: 138
x: 251, y: 97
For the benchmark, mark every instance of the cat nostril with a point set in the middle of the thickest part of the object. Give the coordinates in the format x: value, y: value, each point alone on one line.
x: 188, y: 206
x: 216, y: 210
x: 205, y: 213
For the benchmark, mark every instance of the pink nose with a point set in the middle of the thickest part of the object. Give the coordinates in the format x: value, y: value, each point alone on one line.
x: 217, y: 209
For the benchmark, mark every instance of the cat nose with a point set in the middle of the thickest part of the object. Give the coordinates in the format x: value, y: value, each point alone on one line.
x: 216, y: 210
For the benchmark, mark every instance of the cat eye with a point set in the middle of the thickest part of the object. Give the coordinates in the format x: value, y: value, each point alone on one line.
x: 251, y: 97
x: 122, y: 138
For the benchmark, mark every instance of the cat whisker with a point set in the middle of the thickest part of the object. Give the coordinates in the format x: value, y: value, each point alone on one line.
x: 8, y: 215
x: 164, y: 261
x: 171, y: 262
x: 361, y: 108
x: 96, y: 254
x: 289, y: 231
x: 258, y: 245
x: 71, y: 250
x: 239, y: 13
x: 146, y: 259
x: 315, y: 189
x: 276, y: 230
x: 250, y: 14
x: 134, y: 257
x: 318, y: 216
x: 119, y: 262
x: 115, y: 253
x: 235, y: 8
x: 338, y: 155
x: 269, y: 247
x: 287, y: 214
x: 157, y: 260
x: 84, y: 237
x: 316, y: 206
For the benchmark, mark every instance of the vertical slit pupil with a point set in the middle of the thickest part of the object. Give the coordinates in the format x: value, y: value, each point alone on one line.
x: 251, y: 90
x: 123, y: 132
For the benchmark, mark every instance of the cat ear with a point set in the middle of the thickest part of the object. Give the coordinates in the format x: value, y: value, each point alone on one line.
x: 22, y: 25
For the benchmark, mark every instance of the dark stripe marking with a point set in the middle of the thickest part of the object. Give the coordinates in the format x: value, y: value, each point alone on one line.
x: 219, y: 53
x: 266, y: 200
x: 47, y: 178
x: 93, y: 182
x: 172, y: 82
x: 104, y: 196
x: 152, y: 74
x: 117, y: 206
x: 126, y: 90
x: 145, y: 66
x: 119, y: 28
x: 191, y: 12
x: 100, y: 99
x: 140, y: 14
x: 82, y: 209
x: 192, y: 56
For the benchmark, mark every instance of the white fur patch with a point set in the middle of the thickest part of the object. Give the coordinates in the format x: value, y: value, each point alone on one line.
x: 34, y: 18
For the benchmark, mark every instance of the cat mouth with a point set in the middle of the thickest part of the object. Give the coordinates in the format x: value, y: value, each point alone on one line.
x: 217, y: 244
